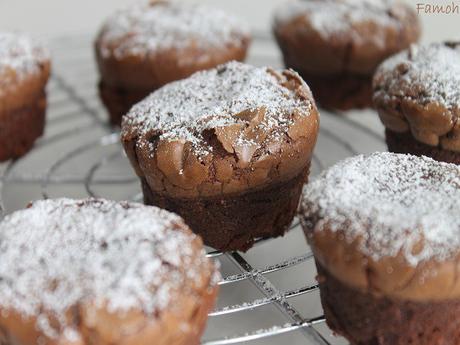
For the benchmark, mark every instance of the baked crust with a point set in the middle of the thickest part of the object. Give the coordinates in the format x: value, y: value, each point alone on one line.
x: 171, y: 289
x: 366, y: 35
x: 163, y: 42
x: 228, y: 149
x: 335, y: 40
x: 406, y: 143
x: 161, y: 67
x: 20, y: 128
x: 386, y: 224
x: 257, y: 145
x: 24, y: 72
x: 416, y: 92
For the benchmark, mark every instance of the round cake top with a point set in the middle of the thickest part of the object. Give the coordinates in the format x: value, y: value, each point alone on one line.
x: 229, y: 96
x: 20, y: 56
x: 427, y: 74
x: 417, y: 90
x: 395, y: 205
x: 59, y: 254
x: 222, y: 131
x: 332, y: 18
x: 162, y: 25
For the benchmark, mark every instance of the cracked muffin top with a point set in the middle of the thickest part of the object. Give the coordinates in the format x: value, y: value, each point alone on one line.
x: 417, y: 90
x: 223, y: 130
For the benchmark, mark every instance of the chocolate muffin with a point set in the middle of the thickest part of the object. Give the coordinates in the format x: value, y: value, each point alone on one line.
x: 145, y: 46
x: 228, y: 149
x: 336, y: 45
x: 417, y: 96
x: 98, y: 272
x: 385, y: 233
x: 24, y: 72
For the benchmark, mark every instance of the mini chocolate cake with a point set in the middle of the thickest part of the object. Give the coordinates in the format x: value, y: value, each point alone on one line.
x: 417, y: 96
x: 24, y: 72
x: 385, y: 232
x: 78, y: 272
x: 145, y: 46
x: 336, y: 45
x: 228, y: 149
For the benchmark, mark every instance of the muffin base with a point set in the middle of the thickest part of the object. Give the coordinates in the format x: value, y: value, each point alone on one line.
x: 118, y: 101
x: 406, y: 143
x: 341, y: 92
x: 233, y: 222
x: 20, y: 128
x: 366, y: 319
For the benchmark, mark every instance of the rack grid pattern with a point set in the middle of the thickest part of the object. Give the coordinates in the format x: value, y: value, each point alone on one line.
x: 80, y: 156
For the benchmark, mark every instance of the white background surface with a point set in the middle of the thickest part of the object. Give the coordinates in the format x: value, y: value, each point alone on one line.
x: 60, y: 17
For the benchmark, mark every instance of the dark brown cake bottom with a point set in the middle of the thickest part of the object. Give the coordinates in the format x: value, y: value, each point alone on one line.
x: 3, y: 337
x: 233, y: 222
x: 342, y: 92
x: 365, y: 319
x: 20, y: 128
x: 119, y: 101
x: 406, y: 143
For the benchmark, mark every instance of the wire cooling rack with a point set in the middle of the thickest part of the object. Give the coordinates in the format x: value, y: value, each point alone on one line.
x: 269, y: 294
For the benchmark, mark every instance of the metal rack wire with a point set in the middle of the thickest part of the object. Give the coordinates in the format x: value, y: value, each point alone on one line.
x: 263, y: 292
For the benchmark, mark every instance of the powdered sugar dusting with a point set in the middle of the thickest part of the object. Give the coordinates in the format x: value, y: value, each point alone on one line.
x: 61, y: 253
x: 185, y: 109
x: 393, y: 202
x: 432, y: 71
x: 21, y: 55
x: 145, y: 28
x: 335, y: 17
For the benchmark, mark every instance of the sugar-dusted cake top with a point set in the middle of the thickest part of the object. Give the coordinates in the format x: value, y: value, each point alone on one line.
x: 425, y: 73
x: 160, y: 25
x: 20, y: 56
x: 59, y: 254
x: 234, y: 94
x: 395, y: 204
x: 341, y: 17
